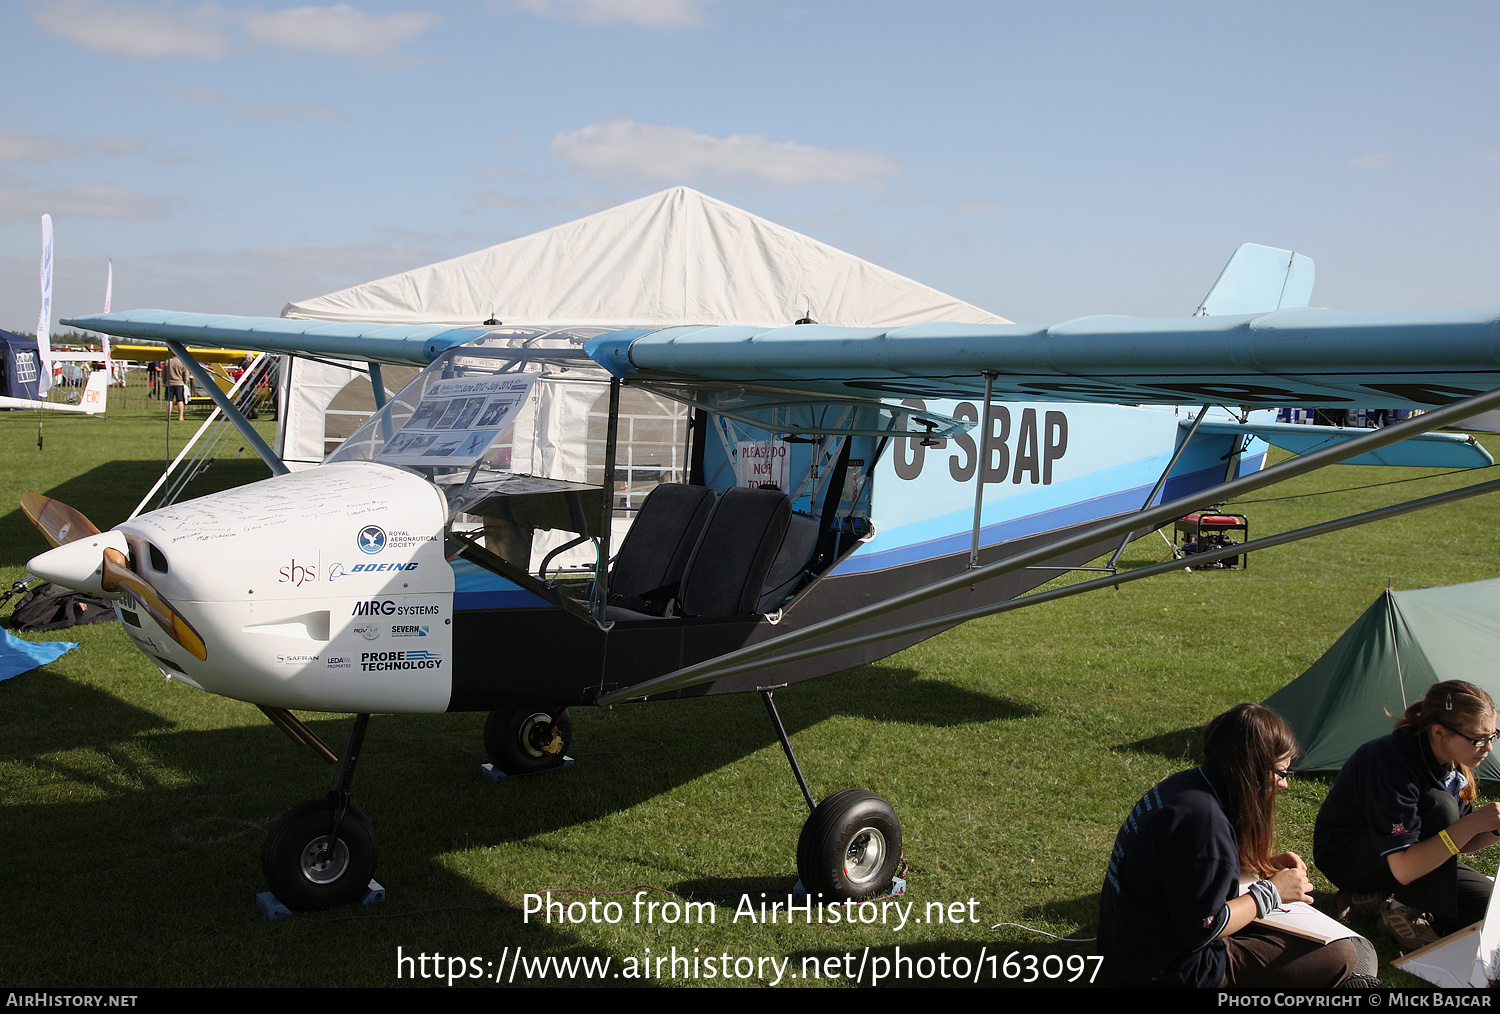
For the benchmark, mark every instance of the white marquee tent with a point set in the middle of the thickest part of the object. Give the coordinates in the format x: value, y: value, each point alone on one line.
x: 674, y: 258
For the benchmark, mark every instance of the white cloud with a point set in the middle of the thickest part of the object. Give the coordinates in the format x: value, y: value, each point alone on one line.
x: 1372, y: 160
x: 137, y: 29
x: 163, y: 28
x: 495, y: 199
x: 84, y: 200
x: 647, y: 13
x: 339, y: 30
x: 24, y: 146
x: 679, y: 155
x: 312, y: 110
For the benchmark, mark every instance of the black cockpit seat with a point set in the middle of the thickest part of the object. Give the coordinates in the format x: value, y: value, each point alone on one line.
x: 655, y: 552
x: 727, y: 572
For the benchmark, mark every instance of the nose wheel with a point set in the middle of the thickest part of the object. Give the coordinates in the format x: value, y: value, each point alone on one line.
x: 322, y: 853
x: 308, y: 868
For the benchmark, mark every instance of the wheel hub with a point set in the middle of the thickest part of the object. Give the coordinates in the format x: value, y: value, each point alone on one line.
x: 538, y: 738
x: 864, y: 855
x: 322, y: 865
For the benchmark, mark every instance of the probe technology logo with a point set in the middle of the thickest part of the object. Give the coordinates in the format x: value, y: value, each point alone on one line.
x: 371, y: 539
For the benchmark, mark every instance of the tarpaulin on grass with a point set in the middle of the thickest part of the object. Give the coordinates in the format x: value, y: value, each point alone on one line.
x: 18, y: 656
x: 1404, y: 643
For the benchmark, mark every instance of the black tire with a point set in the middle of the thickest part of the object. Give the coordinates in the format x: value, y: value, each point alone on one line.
x: 849, y: 847
x: 519, y: 741
x: 301, y: 877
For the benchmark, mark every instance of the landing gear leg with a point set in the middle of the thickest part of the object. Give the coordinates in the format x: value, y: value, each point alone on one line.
x: 851, y: 843
x: 322, y: 852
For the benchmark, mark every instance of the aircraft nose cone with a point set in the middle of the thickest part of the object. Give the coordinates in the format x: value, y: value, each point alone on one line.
x: 79, y: 565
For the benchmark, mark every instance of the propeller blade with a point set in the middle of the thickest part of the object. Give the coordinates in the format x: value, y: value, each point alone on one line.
x: 58, y: 523
x: 118, y: 577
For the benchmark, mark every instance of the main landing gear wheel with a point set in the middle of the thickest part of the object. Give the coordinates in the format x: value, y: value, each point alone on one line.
x: 849, y: 847
x: 304, y: 871
x: 523, y: 741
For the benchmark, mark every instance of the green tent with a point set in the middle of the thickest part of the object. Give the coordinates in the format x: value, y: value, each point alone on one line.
x: 1405, y: 642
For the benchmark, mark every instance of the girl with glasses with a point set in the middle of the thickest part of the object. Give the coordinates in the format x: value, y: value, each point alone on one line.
x: 1171, y: 912
x: 1402, y: 809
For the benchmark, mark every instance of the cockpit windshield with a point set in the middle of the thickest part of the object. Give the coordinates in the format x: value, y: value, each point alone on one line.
x: 453, y: 423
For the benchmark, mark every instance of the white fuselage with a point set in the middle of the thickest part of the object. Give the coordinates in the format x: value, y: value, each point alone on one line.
x: 321, y: 590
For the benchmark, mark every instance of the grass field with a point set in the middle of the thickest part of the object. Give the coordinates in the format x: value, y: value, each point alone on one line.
x: 134, y: 809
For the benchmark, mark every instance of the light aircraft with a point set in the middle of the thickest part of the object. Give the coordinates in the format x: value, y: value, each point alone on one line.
x: 836, y: 509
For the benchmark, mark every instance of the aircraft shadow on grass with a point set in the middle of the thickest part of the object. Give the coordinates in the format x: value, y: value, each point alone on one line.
x: 1179, y: 745
x: 111, y: 491
x: 185, y: 811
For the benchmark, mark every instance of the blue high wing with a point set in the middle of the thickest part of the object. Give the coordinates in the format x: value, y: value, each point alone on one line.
x: 1377, y: 358
x: 397, y: 344
x: 1312, y: 357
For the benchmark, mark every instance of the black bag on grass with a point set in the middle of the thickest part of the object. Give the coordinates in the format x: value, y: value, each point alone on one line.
x: 51, y: 607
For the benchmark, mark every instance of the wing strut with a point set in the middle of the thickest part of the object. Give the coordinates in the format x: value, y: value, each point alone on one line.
x: 707, y: 671
x: 234, y: 415
x: 980, y: 464
x: 1162, y: 481
x: 1094, y: 584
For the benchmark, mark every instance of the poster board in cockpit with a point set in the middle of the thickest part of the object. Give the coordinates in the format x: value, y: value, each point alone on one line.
x: 457, y: 420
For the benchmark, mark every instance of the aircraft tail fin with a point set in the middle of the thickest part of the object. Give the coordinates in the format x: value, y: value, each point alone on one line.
x: 1259, y: 279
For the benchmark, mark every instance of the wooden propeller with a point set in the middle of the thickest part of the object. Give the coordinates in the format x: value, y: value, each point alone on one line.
x: 118, y: 577
x: 58, y: 523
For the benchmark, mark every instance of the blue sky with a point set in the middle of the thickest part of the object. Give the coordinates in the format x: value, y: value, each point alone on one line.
x: 1041, y: 160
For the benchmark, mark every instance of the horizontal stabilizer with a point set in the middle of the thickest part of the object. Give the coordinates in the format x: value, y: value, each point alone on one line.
x: 1260, y: 279
x: 1427, y: 450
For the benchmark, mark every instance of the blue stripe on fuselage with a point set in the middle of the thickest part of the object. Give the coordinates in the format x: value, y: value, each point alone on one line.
x: 956, y: 537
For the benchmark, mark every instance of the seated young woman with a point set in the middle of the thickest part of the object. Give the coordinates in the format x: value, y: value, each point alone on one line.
x: 1171, y: 912
x: 1402, y: 809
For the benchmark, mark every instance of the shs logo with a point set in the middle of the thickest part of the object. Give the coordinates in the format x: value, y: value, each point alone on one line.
x: 298, y: 574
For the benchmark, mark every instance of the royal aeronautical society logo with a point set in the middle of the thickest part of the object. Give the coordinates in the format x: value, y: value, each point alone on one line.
x: 371, y: 539
x: 369, y: 631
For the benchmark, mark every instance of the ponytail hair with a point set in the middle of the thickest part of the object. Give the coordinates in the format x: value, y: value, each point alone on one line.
x: 1241, y: 748
x: 1450, y: 703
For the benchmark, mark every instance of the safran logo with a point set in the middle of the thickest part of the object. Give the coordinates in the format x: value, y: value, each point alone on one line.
x: 371, y: 539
